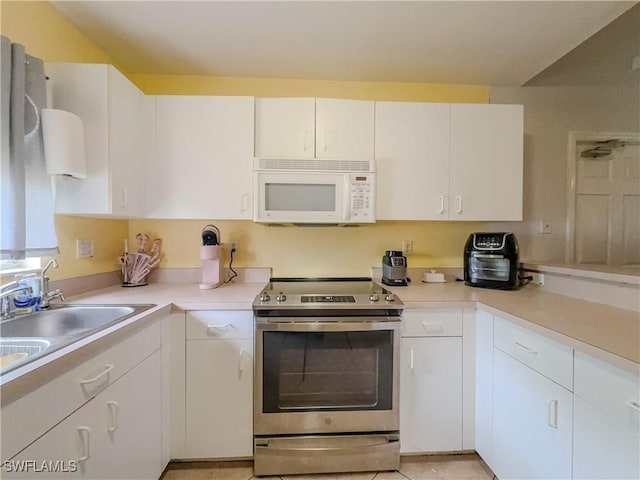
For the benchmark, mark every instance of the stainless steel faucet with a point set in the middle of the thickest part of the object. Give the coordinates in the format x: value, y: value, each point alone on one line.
x: 6, y: 292
x: 45, y: 294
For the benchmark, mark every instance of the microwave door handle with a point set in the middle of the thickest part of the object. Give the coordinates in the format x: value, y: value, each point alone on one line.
x: 347, y: 198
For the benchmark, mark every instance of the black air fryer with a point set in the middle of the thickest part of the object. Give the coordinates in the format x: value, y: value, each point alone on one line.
x: 491, y: 260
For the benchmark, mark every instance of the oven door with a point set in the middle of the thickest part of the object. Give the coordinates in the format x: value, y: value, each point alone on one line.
x: 326, y: 375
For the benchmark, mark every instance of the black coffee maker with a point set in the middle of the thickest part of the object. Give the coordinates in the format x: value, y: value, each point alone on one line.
x: 394, y: 268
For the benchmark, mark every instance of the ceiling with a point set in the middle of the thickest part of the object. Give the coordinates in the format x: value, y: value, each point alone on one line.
x: 498, y: 43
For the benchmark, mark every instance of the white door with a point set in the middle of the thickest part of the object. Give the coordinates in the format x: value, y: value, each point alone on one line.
x: 607, y: 203
x: 203, y: 164
x: 430, y: 394
x: 285, y: 127
x: 532, y: 423
x: 126, y: 160
x: 344, y: 129
x: 219, y: 398
x: 604, y: 447
x: 484, y: 386
x: 115, y: 435
x: 486, y: 162
x: 412, y: 160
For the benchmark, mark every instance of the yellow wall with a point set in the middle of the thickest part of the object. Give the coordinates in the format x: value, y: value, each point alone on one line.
x: 276, y: 87
x: 289, y: 250
x: 312, y: 251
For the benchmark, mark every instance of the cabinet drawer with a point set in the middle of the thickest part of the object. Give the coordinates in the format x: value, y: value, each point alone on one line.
x: 609, y: 388
x: 436, y: 322
x: 57, y: 399
x: 550, y: 358
x: 219, y: 324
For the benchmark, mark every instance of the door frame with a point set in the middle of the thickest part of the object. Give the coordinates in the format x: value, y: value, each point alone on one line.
x: 576, y: 137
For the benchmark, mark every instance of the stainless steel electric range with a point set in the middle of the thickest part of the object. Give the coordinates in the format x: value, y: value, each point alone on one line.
x: 326, y: 377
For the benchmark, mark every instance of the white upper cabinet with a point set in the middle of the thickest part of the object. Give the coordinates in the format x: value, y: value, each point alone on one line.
x: 412, y: 160
x: 486, y: 162
x: 448, y: 161
x: 285, y: 127
x: 110, y: 107
x: 202, y: 166
x: 314, y: 128
x: 344, y: 129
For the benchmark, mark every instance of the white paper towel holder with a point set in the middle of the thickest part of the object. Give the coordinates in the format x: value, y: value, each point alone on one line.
x: 64, y: 147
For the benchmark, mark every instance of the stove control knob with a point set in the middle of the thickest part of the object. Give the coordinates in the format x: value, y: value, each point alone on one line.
x: 374, y: 297
x: 281, y: 297
x: 390, y: 297
x: 264, y: 297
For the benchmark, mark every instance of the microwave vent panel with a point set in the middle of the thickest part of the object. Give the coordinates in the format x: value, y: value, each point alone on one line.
x: 315, y: 164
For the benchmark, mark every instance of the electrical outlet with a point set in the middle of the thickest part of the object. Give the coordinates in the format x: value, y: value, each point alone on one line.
x: 234, y: 246
x: 407, y: 247
x: 545, y: 226
x: 84, y: 248
x: 538, y: 278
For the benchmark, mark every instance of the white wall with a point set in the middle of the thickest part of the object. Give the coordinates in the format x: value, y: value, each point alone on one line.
x: 550, y: 113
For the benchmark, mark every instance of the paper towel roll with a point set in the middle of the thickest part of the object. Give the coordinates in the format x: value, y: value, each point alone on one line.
x: 63, y: 136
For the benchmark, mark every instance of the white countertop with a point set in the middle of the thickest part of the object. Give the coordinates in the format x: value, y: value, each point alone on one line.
x: 609, y: 333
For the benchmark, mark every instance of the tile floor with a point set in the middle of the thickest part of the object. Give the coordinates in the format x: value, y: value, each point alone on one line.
x: 428, y: 467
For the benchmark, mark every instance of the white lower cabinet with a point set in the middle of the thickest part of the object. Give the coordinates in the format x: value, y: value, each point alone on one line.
x: 532, y: 423
x: 484, y: 386
x: 606, y: 421
x: 219, y: 385
x: 431, y: 381
x: 115, y: 435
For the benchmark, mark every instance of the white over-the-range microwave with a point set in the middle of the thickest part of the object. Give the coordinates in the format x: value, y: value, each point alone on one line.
x: 314, y: 191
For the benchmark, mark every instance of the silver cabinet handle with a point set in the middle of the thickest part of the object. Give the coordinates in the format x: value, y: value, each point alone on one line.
x: 459, y: 209
x: 85, y: 438
x: 526, y: 349
x: 240, y: 369
x: 218, y: 326
x: 245, y: 202
x: 433, y: 325
x: 308, y: 134
x: 441, y: 210
x: 552, y: 414
x: 114, y: 411
x: 633, y: 405
x: 107, y: 368
x: 411, y: 359
x: 124, y: 198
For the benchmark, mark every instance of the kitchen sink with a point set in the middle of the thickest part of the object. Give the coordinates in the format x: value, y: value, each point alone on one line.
x: 65, y: 320
x: 25, y: 338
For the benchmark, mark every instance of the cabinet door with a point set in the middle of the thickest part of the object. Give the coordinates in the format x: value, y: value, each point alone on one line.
x: 285, y: 127
x: 203, y: 161
x: 532, y: 423
x: 83, y: 89
x: 115, y: 435
x: 131, y: 423
x: 430, y: 394
x: 219, y: 418
x: 604, y: 447
x: 484, y: 386
x: 486, y: 162
x: 412, y: 160
x: 126, y: 160
x: 344, y: 129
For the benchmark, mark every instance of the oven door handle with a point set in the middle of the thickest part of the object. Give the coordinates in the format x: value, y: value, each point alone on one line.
x: 369, y: 445
x: 333, y: 325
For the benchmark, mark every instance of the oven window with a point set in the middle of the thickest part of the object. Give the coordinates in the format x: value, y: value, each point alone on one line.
x: 490, y: 268
x: 311, y: 371
x: 300, y: 197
